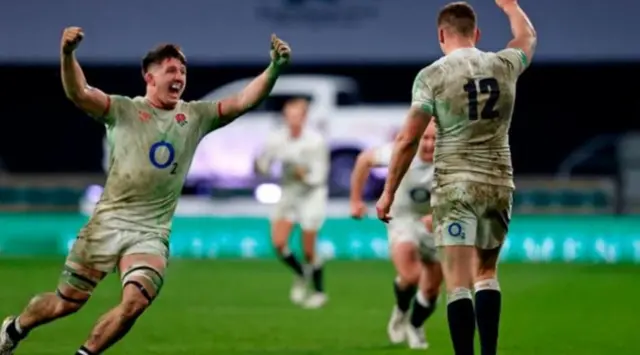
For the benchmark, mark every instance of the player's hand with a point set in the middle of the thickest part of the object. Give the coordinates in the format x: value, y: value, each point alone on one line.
x: 280, y: 51
x: 358, y: 209
x: 428, y: 222
x: 300, y: 172
x: 71, y: 38
x: 505, y: 3
x: 383, y: 206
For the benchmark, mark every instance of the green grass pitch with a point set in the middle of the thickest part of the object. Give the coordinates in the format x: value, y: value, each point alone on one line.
x: 242, y: 308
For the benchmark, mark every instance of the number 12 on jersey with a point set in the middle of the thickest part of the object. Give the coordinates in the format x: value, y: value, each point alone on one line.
x: 487, y: 86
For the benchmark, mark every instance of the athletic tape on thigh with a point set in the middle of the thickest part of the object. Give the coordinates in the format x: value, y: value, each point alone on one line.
x: 77, y: 281
x: 80, y: 283
x: 137, y: 272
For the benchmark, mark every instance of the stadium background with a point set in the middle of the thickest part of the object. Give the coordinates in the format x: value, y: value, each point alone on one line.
x: 575, y: 141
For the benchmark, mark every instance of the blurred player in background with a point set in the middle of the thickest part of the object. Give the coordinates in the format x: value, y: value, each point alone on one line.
x: 413, y: 250
x: 304, y: 156
x: 471, y: 94
x: 152, y: 141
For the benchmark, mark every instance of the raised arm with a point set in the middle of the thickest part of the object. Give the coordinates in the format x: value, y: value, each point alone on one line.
x: 90, y: 100
x: 259, y: 88
x: 524, y: 35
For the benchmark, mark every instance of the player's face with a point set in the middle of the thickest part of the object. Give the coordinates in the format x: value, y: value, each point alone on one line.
x: 295, y: 114
x: 169, y: 80
x: 427, y: 143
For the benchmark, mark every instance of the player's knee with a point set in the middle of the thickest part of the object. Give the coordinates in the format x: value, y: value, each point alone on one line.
x: 133, y: 303
x: 408, y: 274
x: 64, y: 308
x: 141, y: 285
x: 74, y: 290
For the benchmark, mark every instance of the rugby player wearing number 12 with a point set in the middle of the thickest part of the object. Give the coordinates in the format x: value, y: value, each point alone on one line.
x: 471, y: 96
x: 152, y: 141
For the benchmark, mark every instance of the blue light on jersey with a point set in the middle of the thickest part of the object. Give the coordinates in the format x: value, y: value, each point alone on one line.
x: 152, y: 154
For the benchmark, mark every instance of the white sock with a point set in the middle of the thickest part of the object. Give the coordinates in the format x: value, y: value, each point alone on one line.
x: 422, y: 301
x: 286, y: 252
x: 16, y: 324
x: 489, y: 284
x: 459, y: 294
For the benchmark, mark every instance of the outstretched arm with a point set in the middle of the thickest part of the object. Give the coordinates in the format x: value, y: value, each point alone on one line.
x: 90, y: 100
x: 251, y: 96
x: 259, y: 88
x: 524, y: 35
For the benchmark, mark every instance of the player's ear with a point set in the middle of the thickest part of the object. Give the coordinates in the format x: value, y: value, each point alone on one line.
x: 148, y: 78
x: 477, y: 35
x: 441, y: 35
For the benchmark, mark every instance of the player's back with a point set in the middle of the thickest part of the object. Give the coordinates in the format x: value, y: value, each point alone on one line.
x: 474, y: 95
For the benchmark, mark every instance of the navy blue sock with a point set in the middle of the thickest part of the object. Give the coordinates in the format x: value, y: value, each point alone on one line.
x: 290, y: 260
x: 317, y: 278
x: 422, y: 310
x: 462, y: 321
x: 403, y: 296
x: 13, y: 333
x: 488, y: 307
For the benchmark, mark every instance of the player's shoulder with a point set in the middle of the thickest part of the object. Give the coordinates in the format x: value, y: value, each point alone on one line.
x: 432, y: 74
x: 191, y: 105
x: 433, y: 69
x: 121, y: 106
x: 314, y: 136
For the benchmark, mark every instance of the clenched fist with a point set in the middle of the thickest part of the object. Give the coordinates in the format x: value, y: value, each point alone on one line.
x: 280, y: 51
x: 71, y: 38
x: 358, y: 209
x: 505, y: 3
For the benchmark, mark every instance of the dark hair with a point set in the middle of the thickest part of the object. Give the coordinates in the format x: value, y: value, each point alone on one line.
x: 160, y: 53
x: 459, y: 17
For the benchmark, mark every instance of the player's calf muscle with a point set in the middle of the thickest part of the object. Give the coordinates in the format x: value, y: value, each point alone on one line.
x: 73, y: 291
x: 45, y: 308
x: 486, y: 264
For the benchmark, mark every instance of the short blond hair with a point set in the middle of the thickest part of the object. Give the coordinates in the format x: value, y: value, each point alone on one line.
x: 458, y: 17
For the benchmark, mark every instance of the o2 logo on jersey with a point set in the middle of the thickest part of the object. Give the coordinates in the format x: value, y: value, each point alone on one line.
x: 455, y: 230
x: 162, y: 155
x: 420, y: 195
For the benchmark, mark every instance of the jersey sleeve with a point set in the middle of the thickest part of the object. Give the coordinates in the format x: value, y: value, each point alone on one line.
x: 515, y: 59
x: 117, y: 107
x: 422, y: 92
x: 209, y: 113
x: 382, y: 155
